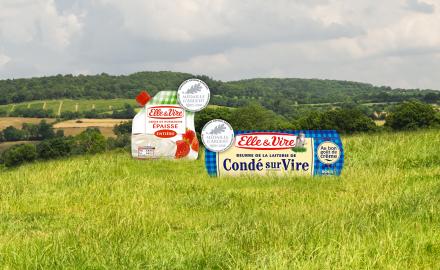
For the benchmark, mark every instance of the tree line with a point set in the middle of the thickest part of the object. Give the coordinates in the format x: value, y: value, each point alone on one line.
x: 347, y: 119
x: 408, y: 115
x: 279, y: 95
x: 29, y: 132
x: 56, y: 145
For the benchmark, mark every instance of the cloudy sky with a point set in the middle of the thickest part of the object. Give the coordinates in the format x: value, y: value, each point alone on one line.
x: 393, y: 42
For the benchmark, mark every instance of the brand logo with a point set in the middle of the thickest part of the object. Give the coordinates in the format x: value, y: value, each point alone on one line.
x: 265, y: 141
x: 217, y: 135
x: 193, y: 95
x: 165, y: 112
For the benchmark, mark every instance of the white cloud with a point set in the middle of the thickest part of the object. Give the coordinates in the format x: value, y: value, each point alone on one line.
x: 381, y: 42
x: 36, y: 21
x: 182, y: 21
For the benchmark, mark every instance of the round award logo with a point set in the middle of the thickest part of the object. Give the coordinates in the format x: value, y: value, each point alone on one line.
x: 193, y: 95
x: 217, y: 135
x: 328, y: 152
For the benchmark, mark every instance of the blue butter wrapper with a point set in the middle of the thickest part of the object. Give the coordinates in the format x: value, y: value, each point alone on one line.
x: 279, y: 152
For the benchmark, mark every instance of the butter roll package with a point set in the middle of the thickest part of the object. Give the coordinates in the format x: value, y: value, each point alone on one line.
x: 289, y: 152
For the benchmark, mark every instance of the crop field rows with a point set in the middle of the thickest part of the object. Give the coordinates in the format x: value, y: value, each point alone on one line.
x: 68, y: 105
x: 59, y: 106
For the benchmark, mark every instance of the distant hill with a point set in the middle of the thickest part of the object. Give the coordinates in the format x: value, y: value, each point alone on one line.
x: 101, y: 86
x: 280, y: 95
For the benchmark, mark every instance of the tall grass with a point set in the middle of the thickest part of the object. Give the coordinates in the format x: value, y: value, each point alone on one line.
x: 110, y: 211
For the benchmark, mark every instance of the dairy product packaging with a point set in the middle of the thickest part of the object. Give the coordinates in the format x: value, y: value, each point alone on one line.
x: 288, y: 152
x: 163, y: 129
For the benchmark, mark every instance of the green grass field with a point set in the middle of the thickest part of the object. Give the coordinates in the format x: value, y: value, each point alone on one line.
x: 110, y: 212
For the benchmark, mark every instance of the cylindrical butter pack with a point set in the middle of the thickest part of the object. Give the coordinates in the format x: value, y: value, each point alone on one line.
x: 288, y: 152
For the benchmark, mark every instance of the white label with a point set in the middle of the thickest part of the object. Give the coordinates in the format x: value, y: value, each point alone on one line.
x: 328, y: 152
x: 193, y: 95
x: 165, y: 117
x: 145, y: 152
x: 217, y: 135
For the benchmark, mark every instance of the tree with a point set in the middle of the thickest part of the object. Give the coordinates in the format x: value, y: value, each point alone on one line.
x: 13, y: 134
x: 40, y: 131
x: 90, y: 141
x: 346, y: 120
x: 411, y: 115
x: 123, y: 128
x: 31, y: 131
x: 121, y: 141
x: 59, y: 133
x: 127, y: 113
x: 70, y: 115
x: 92, y: 114
x: 55, y: 148
x: 19, y: 154
x: 45, y: 130
x: 431, y: 98
x: 255, y: 116
x: 208, y: 114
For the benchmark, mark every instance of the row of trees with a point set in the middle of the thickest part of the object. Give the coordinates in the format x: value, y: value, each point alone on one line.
x: 347, y: 119
x: 412, y: 115
x: 90, y: 141
x: 406, y: 116
x: 29, y: 132
x: 256, y: 117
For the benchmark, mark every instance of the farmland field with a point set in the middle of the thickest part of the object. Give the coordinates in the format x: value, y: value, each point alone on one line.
x: 69, y: 105
x: 110, y: 211
x: 74, y: 127
x: 18, y: 122
x: 70, y: 127
x: 100, y: 105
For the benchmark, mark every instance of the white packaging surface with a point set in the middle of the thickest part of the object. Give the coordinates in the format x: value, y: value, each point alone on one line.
x: 163, y: 129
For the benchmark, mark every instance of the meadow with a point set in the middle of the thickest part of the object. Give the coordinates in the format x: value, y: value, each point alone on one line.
x: 110, y: 211
x: 59, y: 106
x: 65, y: 105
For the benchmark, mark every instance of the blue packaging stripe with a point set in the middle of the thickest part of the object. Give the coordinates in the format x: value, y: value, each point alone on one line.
x: 211, y: 162
x: 332, y: 169
x: 318, y: 136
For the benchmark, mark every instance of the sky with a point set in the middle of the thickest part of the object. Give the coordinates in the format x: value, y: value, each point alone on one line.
x: 394, y: 42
